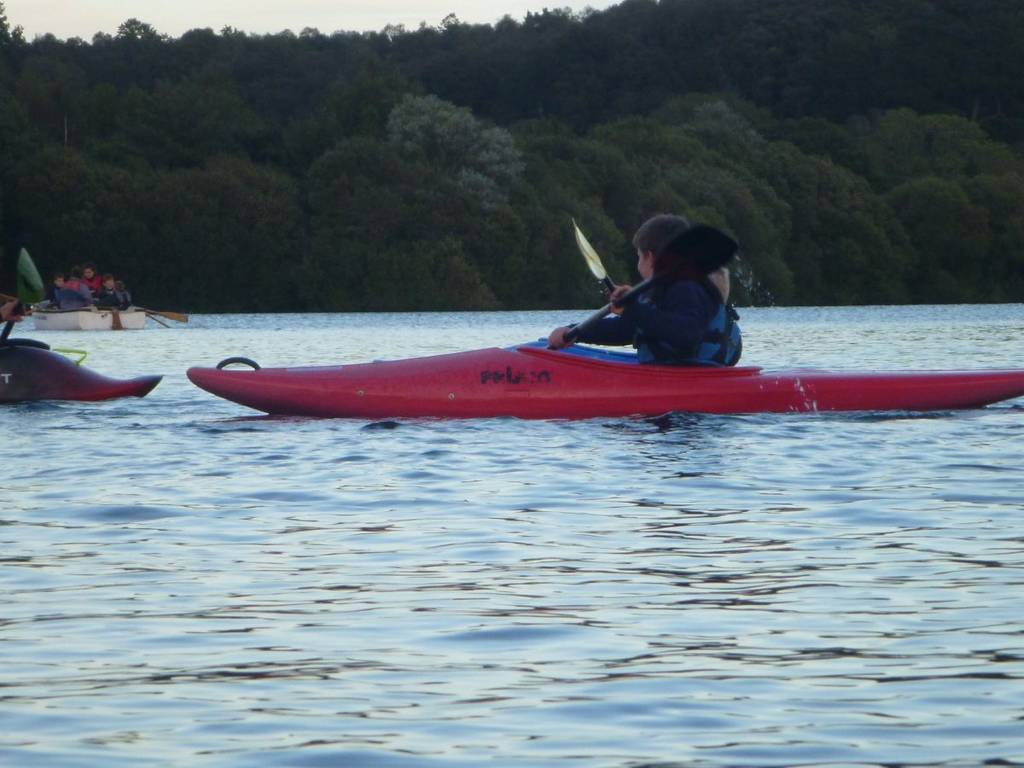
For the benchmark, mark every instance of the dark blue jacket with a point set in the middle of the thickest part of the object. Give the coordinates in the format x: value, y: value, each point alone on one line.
x: 71, y: 298
x: 683, y: 323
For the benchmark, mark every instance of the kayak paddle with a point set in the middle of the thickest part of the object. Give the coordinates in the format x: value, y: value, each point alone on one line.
x: 178, y: 317
x: 30, y: 288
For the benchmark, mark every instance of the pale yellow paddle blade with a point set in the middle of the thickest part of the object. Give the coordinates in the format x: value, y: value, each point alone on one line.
x: 589, y: 254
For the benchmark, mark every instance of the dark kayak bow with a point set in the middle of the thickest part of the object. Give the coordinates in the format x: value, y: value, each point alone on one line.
x: 30, y: 371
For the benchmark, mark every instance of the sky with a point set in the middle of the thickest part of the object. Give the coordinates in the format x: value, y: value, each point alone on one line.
x: 84, y: 18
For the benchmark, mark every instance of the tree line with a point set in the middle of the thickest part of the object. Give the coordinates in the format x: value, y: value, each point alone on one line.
x: 861, y: 151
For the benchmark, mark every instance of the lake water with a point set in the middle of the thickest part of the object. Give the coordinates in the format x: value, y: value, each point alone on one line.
x: 185, y: 582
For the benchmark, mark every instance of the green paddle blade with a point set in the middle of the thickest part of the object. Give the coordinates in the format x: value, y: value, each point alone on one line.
x: 30, y: 284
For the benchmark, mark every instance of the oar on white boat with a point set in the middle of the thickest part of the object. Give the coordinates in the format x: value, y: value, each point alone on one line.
x: 178, y: 317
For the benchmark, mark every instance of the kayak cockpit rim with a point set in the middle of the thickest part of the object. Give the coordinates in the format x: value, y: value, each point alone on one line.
x: 602, y: 358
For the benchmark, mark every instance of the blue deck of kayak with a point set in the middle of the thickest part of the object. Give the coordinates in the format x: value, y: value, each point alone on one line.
x: 590, y: 353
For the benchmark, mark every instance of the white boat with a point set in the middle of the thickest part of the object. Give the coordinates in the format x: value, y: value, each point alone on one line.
x: 89, y: 319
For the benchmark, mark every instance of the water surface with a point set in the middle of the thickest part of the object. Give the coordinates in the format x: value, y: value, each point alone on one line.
x: 185, y: 582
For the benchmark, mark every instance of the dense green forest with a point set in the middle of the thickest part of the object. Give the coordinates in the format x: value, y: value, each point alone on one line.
x: 861, y: 151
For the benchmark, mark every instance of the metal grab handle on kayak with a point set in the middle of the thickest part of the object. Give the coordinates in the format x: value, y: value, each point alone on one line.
x: 238, y: 361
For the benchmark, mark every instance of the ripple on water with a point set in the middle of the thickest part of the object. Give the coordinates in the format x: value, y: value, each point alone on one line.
x: 510, y: 638
x: 126, y: 513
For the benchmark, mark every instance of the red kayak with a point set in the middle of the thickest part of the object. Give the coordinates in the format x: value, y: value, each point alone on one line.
x: 530, y: 381
x: 29, y: 371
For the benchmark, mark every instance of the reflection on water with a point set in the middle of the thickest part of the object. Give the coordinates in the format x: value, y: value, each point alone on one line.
x: 186, y: 583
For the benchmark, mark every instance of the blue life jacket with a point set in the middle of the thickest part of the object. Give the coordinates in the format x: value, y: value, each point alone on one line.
x: 721, y: 344
x: 71, y: 299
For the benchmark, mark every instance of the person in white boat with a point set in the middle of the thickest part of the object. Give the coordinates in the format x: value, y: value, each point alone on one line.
x: 53, y: 290
x: 106, y: 296
x: 75, y: 294
x: 123, y: 294
x: 91, y: 278
x: 113, y: 294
